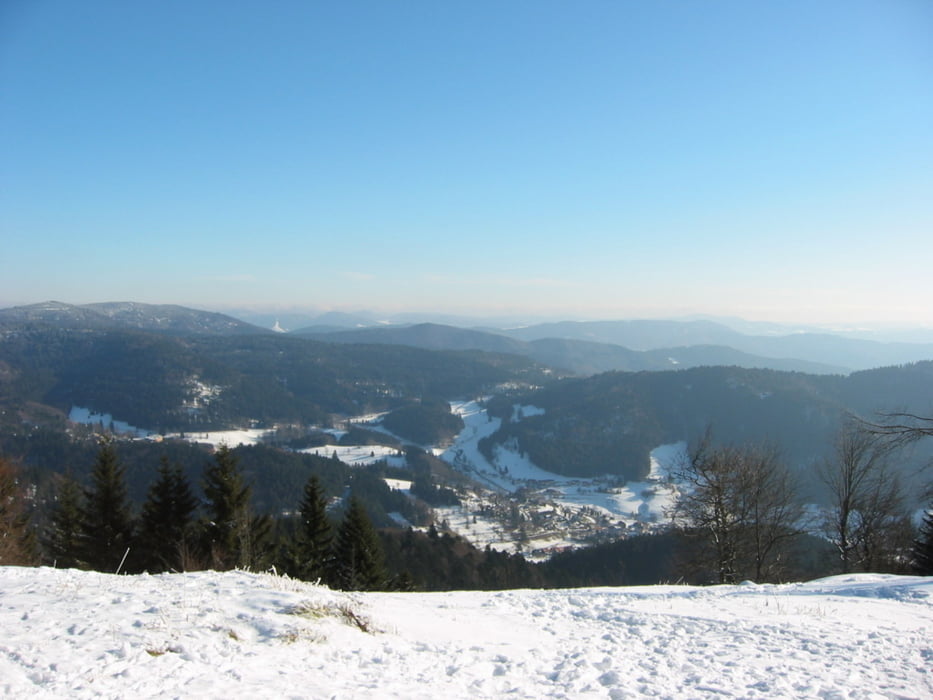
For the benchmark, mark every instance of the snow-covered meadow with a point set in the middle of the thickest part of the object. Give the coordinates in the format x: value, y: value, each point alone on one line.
x: 354, y: 455
x: 77, y: 634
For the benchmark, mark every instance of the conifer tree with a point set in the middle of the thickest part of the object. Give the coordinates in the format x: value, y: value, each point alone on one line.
x: 62, y: 539
x: 310, y: 555
x: 358, y: 557
x: 106, y: 520
x: 923, y: 546
x: 17, y: 544
x: 165, y: 520
x: 234, y: 536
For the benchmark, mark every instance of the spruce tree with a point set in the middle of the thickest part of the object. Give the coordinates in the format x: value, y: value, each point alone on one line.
x: 106, y: 520
x: 358, y: 558
x: 234, y: 536
x: 923, y: 546
x: 17, y: 544
x: 62, y: 539
x: 165, y: 521
x: 310, y: 553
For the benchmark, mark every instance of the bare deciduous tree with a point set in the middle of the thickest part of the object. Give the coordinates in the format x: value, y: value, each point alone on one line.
x: 775, y: 510
x: 742, y: 504
x: 867, y: 518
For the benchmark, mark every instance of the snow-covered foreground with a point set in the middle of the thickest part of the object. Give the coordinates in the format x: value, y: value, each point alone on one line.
x: 68, y: 633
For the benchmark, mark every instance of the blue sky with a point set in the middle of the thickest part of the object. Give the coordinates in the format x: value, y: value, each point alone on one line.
x: 772, y: 160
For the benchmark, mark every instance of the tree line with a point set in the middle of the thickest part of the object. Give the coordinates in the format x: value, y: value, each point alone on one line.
x: 92, y: 526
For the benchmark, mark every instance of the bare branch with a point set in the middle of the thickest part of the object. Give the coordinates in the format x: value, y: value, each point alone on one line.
x: 905, y: 427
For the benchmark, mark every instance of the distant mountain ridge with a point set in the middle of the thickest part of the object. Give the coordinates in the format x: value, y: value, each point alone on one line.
x: 577, y: 347
x: 577, y: 356
x: 634, y: 335
x: 429, y: 336
x: 159, y: 318
x: 821, y: 348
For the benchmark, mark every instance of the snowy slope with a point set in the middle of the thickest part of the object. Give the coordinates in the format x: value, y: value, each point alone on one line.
x: 80, y: 634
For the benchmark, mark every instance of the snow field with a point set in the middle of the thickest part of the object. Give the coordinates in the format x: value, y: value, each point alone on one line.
x: 80, y: 634
x: 472, y: 525
x: 230, y: 438
x: 86, y: 416
x: 356, y: 455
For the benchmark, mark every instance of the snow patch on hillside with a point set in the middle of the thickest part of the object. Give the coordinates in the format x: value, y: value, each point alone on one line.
x: 85, y: 416
x: 354, y: 455
x: 520, y: 412
x: 230, y: 438
x: 359, y: 455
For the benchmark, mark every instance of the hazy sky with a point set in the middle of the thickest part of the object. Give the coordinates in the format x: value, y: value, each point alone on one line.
x: 630, y: 158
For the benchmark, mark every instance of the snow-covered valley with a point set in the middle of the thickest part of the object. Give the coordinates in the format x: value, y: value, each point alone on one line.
x: 515, y: 506
x: 80, y: 634
x: 544, y: 512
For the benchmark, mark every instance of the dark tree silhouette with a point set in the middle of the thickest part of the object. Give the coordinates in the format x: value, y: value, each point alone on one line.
x: 165, y: 522
x: 61, y: 540
x: 310, y: 556
x: 358, y: 557
x: 234, y: 536
x: 106, y: 520
x: 17, y: 543
x: 923, y: 546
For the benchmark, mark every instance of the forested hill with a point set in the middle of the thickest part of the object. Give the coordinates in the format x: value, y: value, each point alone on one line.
x: 609, y: 423
x: 156, y: 318
x: 159, y: 381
